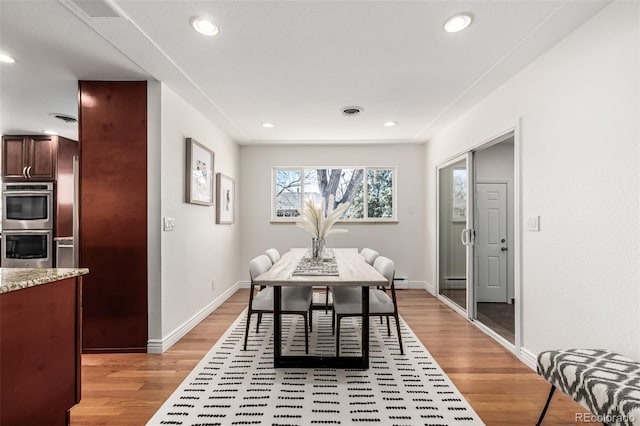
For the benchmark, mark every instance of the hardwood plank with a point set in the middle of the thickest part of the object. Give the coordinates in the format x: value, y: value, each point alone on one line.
x: 501, y: 389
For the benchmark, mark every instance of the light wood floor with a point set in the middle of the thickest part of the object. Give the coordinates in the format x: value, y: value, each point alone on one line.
x: 127, y: 389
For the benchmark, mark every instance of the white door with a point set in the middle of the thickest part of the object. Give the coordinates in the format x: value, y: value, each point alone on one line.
x: 491, y: 242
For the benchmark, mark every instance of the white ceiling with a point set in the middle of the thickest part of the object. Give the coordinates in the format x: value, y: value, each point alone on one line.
x: 293, y: 63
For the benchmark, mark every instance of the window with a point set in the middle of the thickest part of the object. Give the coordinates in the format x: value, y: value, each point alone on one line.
x: 369, y: 190
x: 459, y: 191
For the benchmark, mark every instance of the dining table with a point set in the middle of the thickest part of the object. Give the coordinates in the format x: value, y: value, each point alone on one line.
x: 338, y: 267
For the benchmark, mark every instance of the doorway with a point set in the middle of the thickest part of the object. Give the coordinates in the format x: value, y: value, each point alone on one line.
x: 491, y: 242
x: 494, y: 237
x: 476, y: 236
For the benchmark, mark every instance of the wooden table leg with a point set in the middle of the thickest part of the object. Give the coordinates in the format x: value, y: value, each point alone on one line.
x: 277, y: 325
x: 365, y: 326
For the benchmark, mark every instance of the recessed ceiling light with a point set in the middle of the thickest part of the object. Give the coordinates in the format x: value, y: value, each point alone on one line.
x: 204, y: 26
x: 390, y: 123
x: 50, y: 132
x: 267, y: 125
x: 6, y: 58
x: 457, y: 23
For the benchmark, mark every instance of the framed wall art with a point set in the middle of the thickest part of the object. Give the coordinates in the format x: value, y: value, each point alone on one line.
x: 199, y: 178
x: 226, y: 199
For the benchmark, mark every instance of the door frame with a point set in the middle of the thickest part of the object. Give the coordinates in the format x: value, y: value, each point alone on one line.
x: 468, y: 158
x: 496, y: 137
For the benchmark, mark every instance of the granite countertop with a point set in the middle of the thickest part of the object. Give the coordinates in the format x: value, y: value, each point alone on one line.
x: 12, y: 279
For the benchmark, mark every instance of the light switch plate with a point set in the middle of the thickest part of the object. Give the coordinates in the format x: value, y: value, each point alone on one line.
x: 169, y: 223
x: 533, y: 224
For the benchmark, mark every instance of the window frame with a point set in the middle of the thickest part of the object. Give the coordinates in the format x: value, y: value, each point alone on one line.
x: 365, y: 193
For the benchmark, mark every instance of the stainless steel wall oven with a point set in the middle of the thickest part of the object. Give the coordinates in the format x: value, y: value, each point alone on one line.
x: 27, y: 205
x: 27, y: 224
x: 27, y: 248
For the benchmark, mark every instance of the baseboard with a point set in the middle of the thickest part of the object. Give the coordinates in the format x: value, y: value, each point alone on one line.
x: 529, y: 359
x: 158, y: 346
x: 244, y: 284
x: 420, y: 285
x: 125, y: 350
x: 429, y: 287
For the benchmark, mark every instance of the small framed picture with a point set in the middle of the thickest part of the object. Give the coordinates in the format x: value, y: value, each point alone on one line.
x: 199, y: 178
x: 226, y: 199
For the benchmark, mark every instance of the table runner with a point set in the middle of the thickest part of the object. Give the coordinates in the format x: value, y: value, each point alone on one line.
x: 326, y: 266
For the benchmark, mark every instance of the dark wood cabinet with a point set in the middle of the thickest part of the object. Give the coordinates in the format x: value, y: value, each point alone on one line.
x: 29, y: 157
x: 32, y: 157
x: 113, y: 215
x: 40, y: 337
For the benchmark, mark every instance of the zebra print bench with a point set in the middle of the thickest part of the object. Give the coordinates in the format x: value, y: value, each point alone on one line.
x: 603, y: 382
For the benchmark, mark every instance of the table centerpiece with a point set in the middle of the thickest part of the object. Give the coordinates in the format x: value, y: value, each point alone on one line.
x: 318, y: 220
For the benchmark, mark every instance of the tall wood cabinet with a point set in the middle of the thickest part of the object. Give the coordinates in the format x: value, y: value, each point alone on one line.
x: 113, y: 214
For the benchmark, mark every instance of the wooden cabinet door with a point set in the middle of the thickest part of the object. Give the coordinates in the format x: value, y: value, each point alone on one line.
x: 42, y: 158
x: 40, y: 328
x: 14, y: 158
x: 29, y: 158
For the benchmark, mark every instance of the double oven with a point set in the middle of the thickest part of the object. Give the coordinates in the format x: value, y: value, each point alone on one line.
x: 27, y: 224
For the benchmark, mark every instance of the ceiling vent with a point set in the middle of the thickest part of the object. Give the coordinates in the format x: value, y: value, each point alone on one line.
x: 64, y: 117
x: 351, y: 111
x: 96, y: 8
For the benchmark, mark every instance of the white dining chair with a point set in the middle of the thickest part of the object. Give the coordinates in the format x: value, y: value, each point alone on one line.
x: 273, y: 254
x: 369, y: 255
x: 295, y: 300
x: 347, y: 301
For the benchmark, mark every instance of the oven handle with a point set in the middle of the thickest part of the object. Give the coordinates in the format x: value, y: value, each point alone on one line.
x: 10, y: 232
x: 11, y: 192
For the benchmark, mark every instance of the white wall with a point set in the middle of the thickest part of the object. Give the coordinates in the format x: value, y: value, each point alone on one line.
x: 400, y: 241
x: 154, y: 210
x: 580, y: 171
x: 198, y: 251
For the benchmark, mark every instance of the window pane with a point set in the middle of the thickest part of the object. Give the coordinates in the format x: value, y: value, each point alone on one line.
x: 459, y: 194
x: 380, y: 193
x: 344, y: 184
x: 354, y: 193
x: 288, y: 195
x: 311, y: 187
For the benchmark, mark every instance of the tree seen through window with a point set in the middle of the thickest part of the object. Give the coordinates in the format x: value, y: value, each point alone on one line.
x: 294, y: 185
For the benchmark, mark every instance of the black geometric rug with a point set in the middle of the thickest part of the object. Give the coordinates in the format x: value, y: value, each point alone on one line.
x: 231, y: 386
